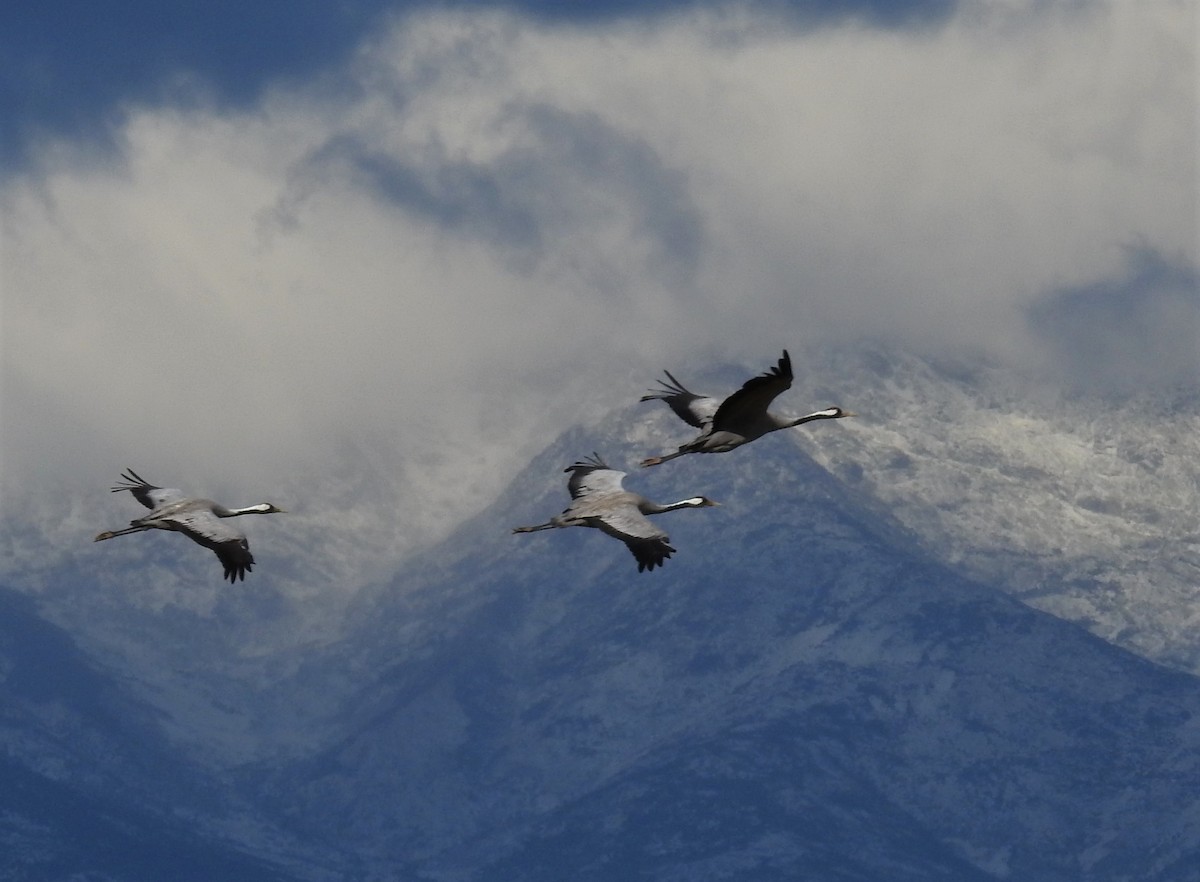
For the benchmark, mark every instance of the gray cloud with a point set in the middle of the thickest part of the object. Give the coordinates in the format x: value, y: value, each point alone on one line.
x: 567, y: 173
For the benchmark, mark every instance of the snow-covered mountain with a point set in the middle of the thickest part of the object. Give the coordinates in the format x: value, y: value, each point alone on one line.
x: 840, y: 675
x: 1086, y: 507
x: 801, y: 691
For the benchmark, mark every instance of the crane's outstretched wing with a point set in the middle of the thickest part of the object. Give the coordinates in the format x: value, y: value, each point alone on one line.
x: 146, y: 493
x: 230, y: 545
x: 749, y: 403
x: 650, y: 545
x: 593, y: 477
x: 695, y: 410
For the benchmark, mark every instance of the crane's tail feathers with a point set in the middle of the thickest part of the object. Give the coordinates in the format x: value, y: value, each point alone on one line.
x: 132, y: 481
x: 589, y: 463
x: 670, y: 388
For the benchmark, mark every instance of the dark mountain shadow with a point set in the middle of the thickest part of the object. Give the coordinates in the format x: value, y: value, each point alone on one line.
x: 89, y: 789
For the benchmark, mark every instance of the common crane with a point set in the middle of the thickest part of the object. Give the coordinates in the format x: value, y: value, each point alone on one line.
x: 739, y: 419
x: 198, y: 519
x: 599, y: 500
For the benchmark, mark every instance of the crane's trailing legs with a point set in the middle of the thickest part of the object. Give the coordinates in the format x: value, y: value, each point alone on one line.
x: 656, y: 460
x: 109, y: 534
x: 546, y: 526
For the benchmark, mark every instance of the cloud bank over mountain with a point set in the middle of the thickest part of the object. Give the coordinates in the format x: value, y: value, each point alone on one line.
x: 391, y: 281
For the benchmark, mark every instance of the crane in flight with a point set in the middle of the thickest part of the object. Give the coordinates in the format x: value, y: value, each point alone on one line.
x: 740, y: 418
x: 599, y: 499
x: 201, y: 520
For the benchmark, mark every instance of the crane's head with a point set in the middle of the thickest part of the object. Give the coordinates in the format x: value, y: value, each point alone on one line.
x: 264, y: 508
x: 700, y: 502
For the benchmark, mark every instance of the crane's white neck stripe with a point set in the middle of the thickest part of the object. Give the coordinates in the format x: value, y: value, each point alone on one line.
x: 252, y: 509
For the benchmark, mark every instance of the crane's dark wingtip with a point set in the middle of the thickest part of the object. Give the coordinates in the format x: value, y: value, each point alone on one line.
x: 236, y: 558
x: 234, y: 573
x: 651, y: 554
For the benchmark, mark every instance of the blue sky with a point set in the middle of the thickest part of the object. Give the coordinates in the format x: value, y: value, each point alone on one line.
x: 68, y: 66
x: 370, y: 253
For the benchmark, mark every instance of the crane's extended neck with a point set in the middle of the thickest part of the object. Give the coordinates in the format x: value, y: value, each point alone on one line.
x: 829, y: 413
x: 691, y: 502
x: 261, y: 508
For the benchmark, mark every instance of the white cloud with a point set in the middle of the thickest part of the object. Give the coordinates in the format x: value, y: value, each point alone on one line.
x: 388, y: 285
